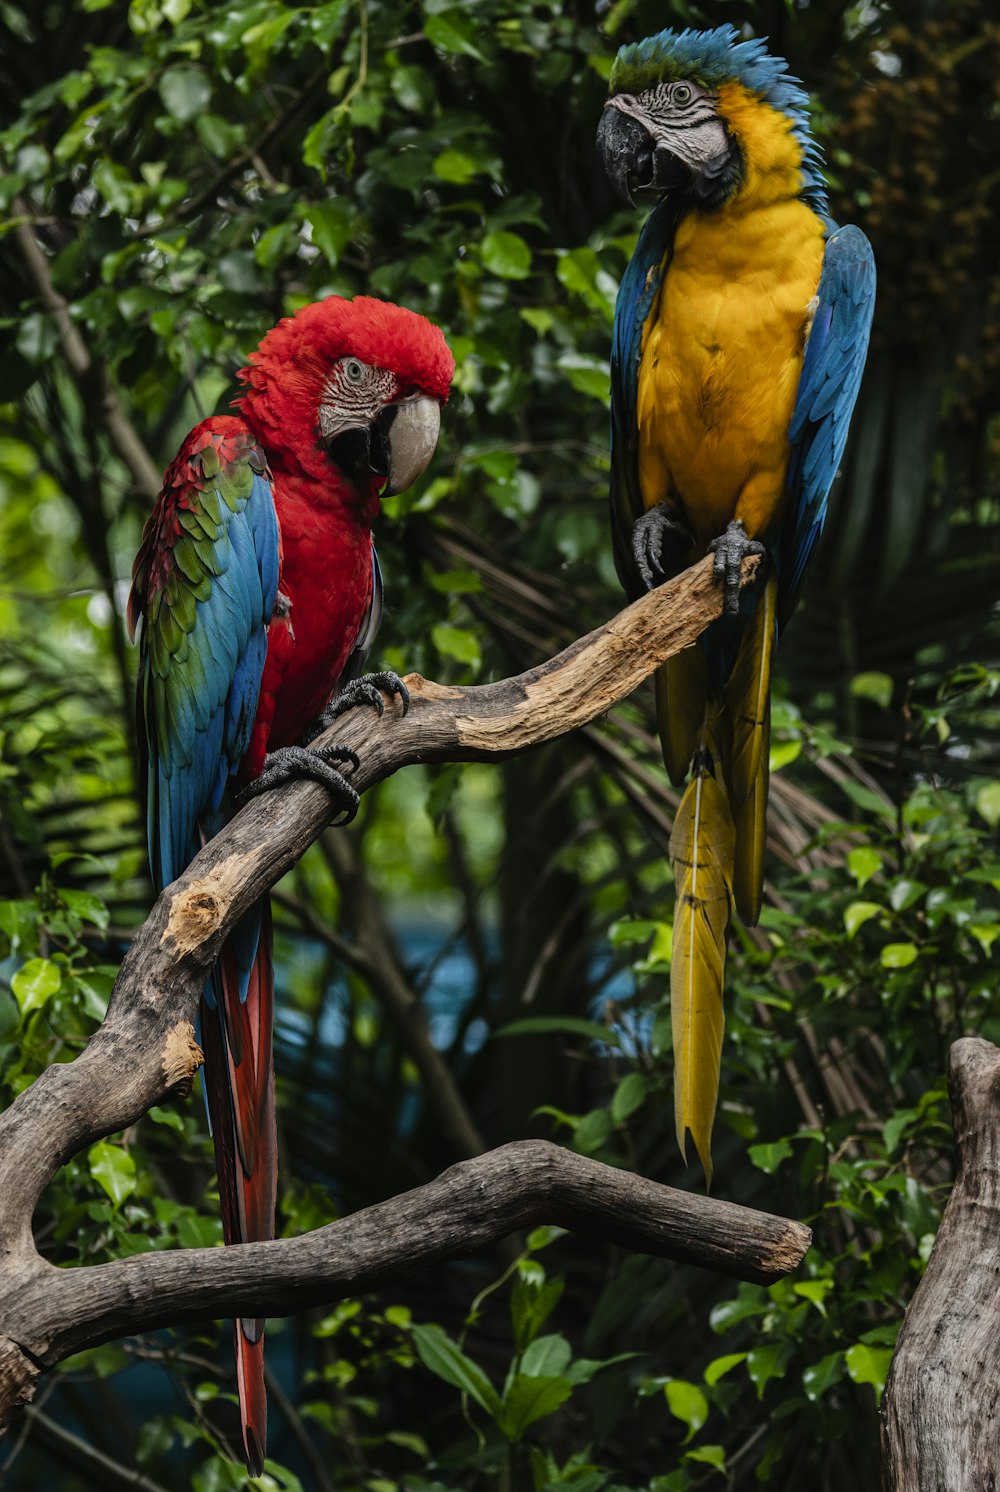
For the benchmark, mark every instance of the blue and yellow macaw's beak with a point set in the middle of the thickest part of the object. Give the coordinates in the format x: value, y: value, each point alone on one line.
x: 669, y: 138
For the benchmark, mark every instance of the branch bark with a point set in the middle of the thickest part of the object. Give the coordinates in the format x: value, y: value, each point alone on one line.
x: 145, y: 1051
x: 91, y: 378
x: 941, y: 1406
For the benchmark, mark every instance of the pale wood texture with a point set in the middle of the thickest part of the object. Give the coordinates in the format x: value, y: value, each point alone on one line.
x: 145, y: 1053
x: 941, y: 1408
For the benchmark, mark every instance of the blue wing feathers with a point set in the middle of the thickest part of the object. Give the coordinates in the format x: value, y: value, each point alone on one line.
x: 828, y: 388
x: 202, y: 669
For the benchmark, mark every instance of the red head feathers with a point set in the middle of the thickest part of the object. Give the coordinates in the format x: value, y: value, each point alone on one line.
x: 288, y: 375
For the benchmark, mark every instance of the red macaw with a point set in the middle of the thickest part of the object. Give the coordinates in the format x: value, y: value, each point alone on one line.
x: 260, y: 596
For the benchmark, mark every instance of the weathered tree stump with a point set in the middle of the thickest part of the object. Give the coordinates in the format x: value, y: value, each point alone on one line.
x: 941, y: 1409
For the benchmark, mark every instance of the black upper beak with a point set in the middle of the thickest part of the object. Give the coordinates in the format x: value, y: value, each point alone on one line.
x: 627, y: 152
x: 395, y: 448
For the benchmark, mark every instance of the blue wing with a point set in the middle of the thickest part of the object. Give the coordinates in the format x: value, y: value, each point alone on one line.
x: 636, y: 298
x: 828, y: 387
x: 206, y: 580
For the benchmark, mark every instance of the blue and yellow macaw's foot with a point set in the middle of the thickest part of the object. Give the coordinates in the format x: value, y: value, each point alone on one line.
x: 730, y: 550
x: 304, y: 761
x: 370, y: 689
x: 650, y: 535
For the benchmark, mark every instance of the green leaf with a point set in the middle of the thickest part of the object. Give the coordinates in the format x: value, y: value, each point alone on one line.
x: 687, y: 1403
x: 546, y: 1357
x: 722, y: 1365
x: 35, y: 983
x: 988, y: 803
x: 899, y: 955
x: 453, y: 31
x: 768, y: 1157
x: 506, y: 255
x: 708, y: 1455
x: 330, y: 223
x: 629, y: 1096
x: 87, y: 907
x: 985, y: 934
x: 858, y: 913
x: 823, y: 1375
x: 533, y: 1299
x: 531, y: 1399
x: 593, y: 1131
x: 863, y: 862
x: 457, y: 643
x: 113, y: 1169
x: 867, y: 1364
x: 185, y: 93
x: 873, y: 686
x: 454, y: 167
x: 815, y: 1291
x: 783, y: 753
x: 588, y: 375
x: 765, y: 1363
x: 446, y: 1359
x: 565, y: 1025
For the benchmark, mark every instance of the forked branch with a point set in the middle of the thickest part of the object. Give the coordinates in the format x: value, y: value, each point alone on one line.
x: 145, y: 1050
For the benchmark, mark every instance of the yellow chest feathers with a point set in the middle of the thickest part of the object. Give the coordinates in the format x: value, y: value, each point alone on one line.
x: 722, y: 350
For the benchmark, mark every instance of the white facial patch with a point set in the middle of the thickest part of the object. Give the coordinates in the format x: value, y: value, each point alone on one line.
x: 353, y: 394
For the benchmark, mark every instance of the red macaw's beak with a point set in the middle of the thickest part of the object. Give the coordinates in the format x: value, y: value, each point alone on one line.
x: 395, y: 448
x: 410, y: 433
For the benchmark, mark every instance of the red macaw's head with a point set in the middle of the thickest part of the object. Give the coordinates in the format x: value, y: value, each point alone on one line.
x: 356, y: 382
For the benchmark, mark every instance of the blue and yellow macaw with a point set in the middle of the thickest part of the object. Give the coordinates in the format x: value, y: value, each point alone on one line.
x: 740, y: 336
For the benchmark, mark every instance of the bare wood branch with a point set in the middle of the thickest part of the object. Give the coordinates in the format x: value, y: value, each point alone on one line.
x: 145, y: 1051
x: 91, y: 378
x: 468, y: 1208
x: 942, y: 1399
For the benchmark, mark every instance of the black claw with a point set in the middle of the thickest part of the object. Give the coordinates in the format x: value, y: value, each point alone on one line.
x: 300, y: 761
x: 651, y: 532
x: 371, y: 689
x: 730, y: 550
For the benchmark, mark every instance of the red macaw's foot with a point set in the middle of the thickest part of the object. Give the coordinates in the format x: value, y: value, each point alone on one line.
x: 658, y: 537
x: 371, y: 689
x: 302, y: 761
x: 730, y: 550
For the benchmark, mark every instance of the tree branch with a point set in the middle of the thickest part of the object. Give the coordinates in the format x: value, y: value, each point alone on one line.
x: 146, y: 1051
x: 91, y: 378
x: 942, y: 1397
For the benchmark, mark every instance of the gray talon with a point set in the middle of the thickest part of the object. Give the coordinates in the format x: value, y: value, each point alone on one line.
x: 370, y: 689
x: 730, y: 550
x: 649, y: 535
x: 301, y: 761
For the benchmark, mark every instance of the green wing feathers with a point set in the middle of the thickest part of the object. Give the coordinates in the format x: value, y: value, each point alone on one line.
x: 701, y: 849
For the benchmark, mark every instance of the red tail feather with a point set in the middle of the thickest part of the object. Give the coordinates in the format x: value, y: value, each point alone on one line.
x: 239, y: 1079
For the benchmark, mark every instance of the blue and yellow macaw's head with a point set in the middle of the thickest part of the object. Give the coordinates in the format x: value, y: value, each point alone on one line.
x: 707, y: 115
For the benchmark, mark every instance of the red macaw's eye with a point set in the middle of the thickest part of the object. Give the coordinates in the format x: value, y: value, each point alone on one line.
x: 354, y: 371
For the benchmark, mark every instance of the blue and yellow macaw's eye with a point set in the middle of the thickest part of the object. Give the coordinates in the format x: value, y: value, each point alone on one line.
x: 668, y: 138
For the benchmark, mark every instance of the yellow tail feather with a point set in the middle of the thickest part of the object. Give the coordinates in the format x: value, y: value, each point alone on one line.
x: 681, y: 691
x: 751, y: 838
x: 748, y: 692
x: 701, y: 848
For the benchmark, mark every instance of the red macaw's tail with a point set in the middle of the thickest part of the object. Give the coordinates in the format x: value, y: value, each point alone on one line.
x: 237, y: 1029
x: 717, y: 845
